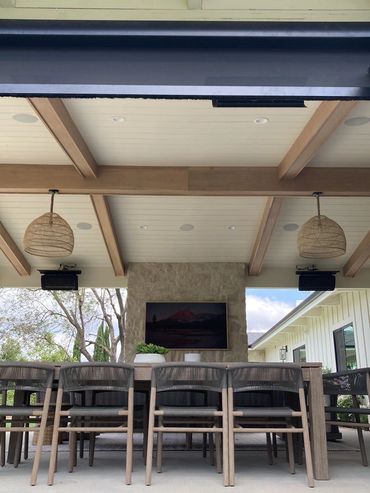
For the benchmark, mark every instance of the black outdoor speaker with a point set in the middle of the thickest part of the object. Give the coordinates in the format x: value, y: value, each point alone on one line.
x: 59, y: 280
x: 316, y: 280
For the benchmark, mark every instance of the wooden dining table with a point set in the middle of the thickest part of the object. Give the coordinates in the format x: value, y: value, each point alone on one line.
x: 312, y: 375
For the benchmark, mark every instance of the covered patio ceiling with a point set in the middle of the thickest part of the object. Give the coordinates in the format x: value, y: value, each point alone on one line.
x: 138, y: 170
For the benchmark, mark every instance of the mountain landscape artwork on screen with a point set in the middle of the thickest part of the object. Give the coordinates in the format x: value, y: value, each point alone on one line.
x: 194, y: 325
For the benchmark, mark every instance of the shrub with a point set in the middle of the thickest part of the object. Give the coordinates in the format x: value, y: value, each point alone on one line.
x: 143, y: 348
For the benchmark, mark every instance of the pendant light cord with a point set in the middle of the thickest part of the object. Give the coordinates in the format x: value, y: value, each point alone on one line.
x: 317, y: 195
x: 53, y: 192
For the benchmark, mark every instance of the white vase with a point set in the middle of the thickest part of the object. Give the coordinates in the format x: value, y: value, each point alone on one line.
x: 149, y: 358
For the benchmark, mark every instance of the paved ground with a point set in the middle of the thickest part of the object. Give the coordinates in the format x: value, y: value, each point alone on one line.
x: 187, y: 471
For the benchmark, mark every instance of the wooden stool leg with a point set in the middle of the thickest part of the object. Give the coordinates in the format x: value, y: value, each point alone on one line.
x: 159, y: 446
x: 91, y: 448
x: 306, y: 439
x: 218, y: 451
x: 211, y: 449
x: 291, y: 453
x: 40, y: 441
x: 72, y: 450
x: 269, y: 449
x: 231, y: 437
x: 130, y: 431
x: 149, y: 457
x: 26, y: 444
x: 204, y: 446
x: 18, y: 448
x: 274, y: 445
x: 2, y: 443
x: 54, y: 444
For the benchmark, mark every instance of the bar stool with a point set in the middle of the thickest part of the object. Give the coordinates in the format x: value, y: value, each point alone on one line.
x: 91, y: 379
x: 188, y: 419
x: 285, y: 379
x: 25, y: 379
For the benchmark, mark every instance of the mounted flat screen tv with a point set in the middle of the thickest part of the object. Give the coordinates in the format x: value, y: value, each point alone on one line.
x: 192, y: 325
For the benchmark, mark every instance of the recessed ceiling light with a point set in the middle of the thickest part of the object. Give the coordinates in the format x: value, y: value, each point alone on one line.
x: 84, y: 226
x: 143, y: 227
x: 291, y: 227
x: 25, y: 118
x: 357, y: 121
x: 186, y: 227
x: 118, y: 119
x: 261, y: 120
x: 232, y: 227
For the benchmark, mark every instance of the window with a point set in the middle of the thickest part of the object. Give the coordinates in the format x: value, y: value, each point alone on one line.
x: 299, y: 354
x: 345, y: 350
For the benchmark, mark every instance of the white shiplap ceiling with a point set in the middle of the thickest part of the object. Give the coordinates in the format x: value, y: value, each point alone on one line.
x: 349, y: 146
x: 211, y: 240
x: 186, y: 132
x: 175, y: 133
x: 26, y: 143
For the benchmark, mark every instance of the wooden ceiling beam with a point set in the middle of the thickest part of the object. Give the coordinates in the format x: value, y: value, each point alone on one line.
x: 103, y: 214
x: 269, y: 218
x: 13, y: 253
x: 328, y: 116
x: 358, y: 257
x: 56, y: 118
x: 192, y: 181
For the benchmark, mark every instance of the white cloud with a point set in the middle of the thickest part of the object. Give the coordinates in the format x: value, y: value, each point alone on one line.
x: 264, y: 313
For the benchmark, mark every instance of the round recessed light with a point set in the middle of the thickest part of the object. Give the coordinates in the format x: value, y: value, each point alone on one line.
x: 118, y: 119
x: 261, y: 120
x: 186, y: 227
x: 84, y: 226
x: 143, y: 227
x: 25, y: 118
x: 291, y: 227
x: 357, y: 121
x: 232, y: 227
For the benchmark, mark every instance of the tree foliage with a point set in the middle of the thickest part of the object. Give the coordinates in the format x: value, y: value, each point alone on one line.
x: 102, y: 344
x: 68, y: 320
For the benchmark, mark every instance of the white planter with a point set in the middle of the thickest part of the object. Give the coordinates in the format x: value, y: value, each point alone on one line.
x: 149, y: 358
x: 192, y: 357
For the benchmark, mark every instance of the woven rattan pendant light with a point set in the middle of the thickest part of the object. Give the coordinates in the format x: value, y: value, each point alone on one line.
x: 49, y: 235
x: 321, y: 237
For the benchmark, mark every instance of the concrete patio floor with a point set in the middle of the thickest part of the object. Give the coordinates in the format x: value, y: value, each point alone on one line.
x: 187, y: 471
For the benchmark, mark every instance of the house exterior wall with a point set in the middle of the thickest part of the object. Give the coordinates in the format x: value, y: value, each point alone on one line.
x: 317, y: 333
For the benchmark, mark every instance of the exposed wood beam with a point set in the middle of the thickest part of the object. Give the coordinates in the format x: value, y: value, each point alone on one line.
x: 328, y: 116
x: 358, y: 257
x: 57, y: 119
x: 269, y: 218
x: 103, y: 214
x: 322, y: 124
x: 193, y: 181
x: 13, y: 253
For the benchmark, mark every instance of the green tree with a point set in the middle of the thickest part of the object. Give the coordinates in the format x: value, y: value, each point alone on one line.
x: 102, y: 344
x: 76, y: 351
x: 46, y: 349
x: 11, y: 350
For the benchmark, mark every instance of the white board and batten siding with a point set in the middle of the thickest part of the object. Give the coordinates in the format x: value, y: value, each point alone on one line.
x: 316, y: 332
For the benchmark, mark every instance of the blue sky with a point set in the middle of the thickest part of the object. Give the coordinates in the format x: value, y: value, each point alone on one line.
x: 265, y: 307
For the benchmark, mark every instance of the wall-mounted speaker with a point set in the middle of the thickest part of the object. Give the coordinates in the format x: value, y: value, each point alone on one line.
x: 59, y: 280
x: 316, y: 280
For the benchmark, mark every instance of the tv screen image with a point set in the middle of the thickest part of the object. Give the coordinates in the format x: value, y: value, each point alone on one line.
x: 191, y: 325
